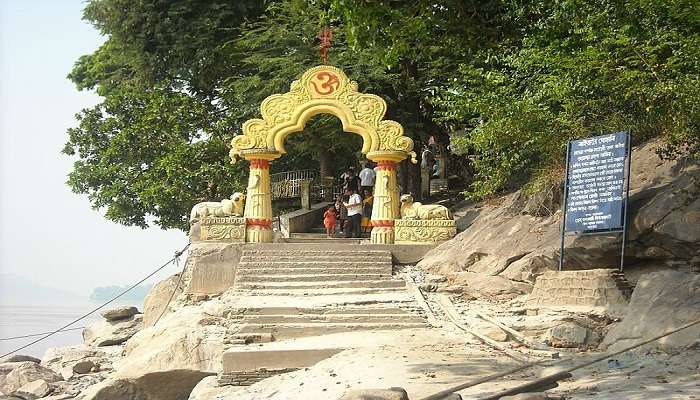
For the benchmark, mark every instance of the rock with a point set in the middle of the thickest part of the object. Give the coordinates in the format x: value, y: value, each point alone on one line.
x: 494, y: 333
x: 208, y: 389
x: 83, y: 367
x: 661, y: 301
x: 19, y: 358
x: 566, y: 334
x: 62, y: 360
x: 488, y: 286
x: 58, y: 397
x: 123, y: 312
x: 33, y: 390
x: 107, y: 333
x: 177, y: 353
x: 518, y: 239
x: 376, y: 394
x: 114, y: 389
x: 6, y: 368
x: 157, y: 299
x: 27, y: 372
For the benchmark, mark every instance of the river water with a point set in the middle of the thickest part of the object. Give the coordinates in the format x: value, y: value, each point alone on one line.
x: 24, y: 320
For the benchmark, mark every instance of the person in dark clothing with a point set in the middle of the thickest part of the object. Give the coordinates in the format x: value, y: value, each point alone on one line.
x: 351, y: 180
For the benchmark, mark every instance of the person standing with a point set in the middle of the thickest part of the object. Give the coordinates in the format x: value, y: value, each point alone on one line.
x: 367, y: 177
x: 351, y: 181
x: 354, y: 206
x: 329, y: 221
x: 342, y: 213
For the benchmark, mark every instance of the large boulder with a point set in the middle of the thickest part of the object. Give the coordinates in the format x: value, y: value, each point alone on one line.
x: 114, y: 389
x: 27, y: 372
x: 177, y: 353
x: 18, y: 358
x: 157, y: 299
x: 33, y: 390
x: 108, y: 333
x: 6, y: 368
x: 123, y: 312
x: 661, y: 302
x: 517, y: 236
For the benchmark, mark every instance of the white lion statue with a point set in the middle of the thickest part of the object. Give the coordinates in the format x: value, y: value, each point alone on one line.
x: 223, y: 208
x: 416, y: 210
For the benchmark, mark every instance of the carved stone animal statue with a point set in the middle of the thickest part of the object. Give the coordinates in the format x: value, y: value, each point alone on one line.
x: 232, y: 207
x: 416, y: 210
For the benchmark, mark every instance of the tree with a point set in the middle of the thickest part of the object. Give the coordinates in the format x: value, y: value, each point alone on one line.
x: 179, y: 78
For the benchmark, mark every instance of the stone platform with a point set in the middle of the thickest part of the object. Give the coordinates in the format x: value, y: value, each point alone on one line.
x: 284, y: 294
x: 603, y: 290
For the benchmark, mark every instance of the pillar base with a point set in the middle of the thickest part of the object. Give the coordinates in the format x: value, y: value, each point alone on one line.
x: 382, y: 235
x: 258, y: 230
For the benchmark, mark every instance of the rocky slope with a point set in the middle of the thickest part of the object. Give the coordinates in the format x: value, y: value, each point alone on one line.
x: 506, y: 243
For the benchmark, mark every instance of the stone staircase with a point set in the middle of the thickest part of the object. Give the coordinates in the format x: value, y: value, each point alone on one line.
x: 299, y: 291
x: 313, y: 272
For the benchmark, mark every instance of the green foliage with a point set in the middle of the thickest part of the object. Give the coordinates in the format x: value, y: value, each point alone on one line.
x: 179, y: 78
x: 528, y: 76
x: 517, y: 79
x: 577, y: 68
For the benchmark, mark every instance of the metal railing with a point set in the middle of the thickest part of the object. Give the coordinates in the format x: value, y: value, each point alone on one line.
x: 287, y: 185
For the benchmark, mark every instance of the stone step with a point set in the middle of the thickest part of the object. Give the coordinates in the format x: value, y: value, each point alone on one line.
x: 248, y: 270
x: 318, y: 258
x: 319, y: 277
x: 235, y: 360
x: 390, y: 308
x: 347, y: 291
x: 301, y: 251
x: 324, y: 239
x: 368, y: 284
x: 329, y: 318
x: 296, y: 330
x: 310, y: 264
x: 250, y: 337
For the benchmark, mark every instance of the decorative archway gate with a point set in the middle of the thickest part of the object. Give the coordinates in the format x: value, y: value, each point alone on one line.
x: 322, y: 90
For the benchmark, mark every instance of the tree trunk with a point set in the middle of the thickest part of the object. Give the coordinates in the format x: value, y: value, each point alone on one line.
x: 324, y: 162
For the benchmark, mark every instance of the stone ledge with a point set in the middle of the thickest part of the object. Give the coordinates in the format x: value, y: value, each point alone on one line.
x: 419, y: 231
x: 247, y: 378
x: 228, y: 229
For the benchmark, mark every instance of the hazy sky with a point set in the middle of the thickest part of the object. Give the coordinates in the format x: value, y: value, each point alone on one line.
x: 47, y: 233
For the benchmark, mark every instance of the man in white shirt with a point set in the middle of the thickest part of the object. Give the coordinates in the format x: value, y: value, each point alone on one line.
x: 367, y: 177
x: 354, y: 206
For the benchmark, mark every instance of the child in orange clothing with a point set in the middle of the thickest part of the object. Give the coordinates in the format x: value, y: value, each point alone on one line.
x: 329, y: 221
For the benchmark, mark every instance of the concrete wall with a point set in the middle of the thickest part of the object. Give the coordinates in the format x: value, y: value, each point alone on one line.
x: 302, y: 220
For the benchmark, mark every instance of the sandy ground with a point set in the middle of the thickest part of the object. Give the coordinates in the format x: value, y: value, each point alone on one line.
x: 425, y: 361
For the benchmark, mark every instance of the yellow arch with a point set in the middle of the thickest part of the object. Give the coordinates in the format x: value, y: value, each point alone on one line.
x: 322, y: 90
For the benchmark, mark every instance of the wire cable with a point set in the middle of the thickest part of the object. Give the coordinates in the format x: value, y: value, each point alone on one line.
x: 177, y: 286
x: 177, y: 255
x: 39, y: 334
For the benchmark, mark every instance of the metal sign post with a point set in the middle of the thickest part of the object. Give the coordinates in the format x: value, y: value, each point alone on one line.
x: 596, y: 188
